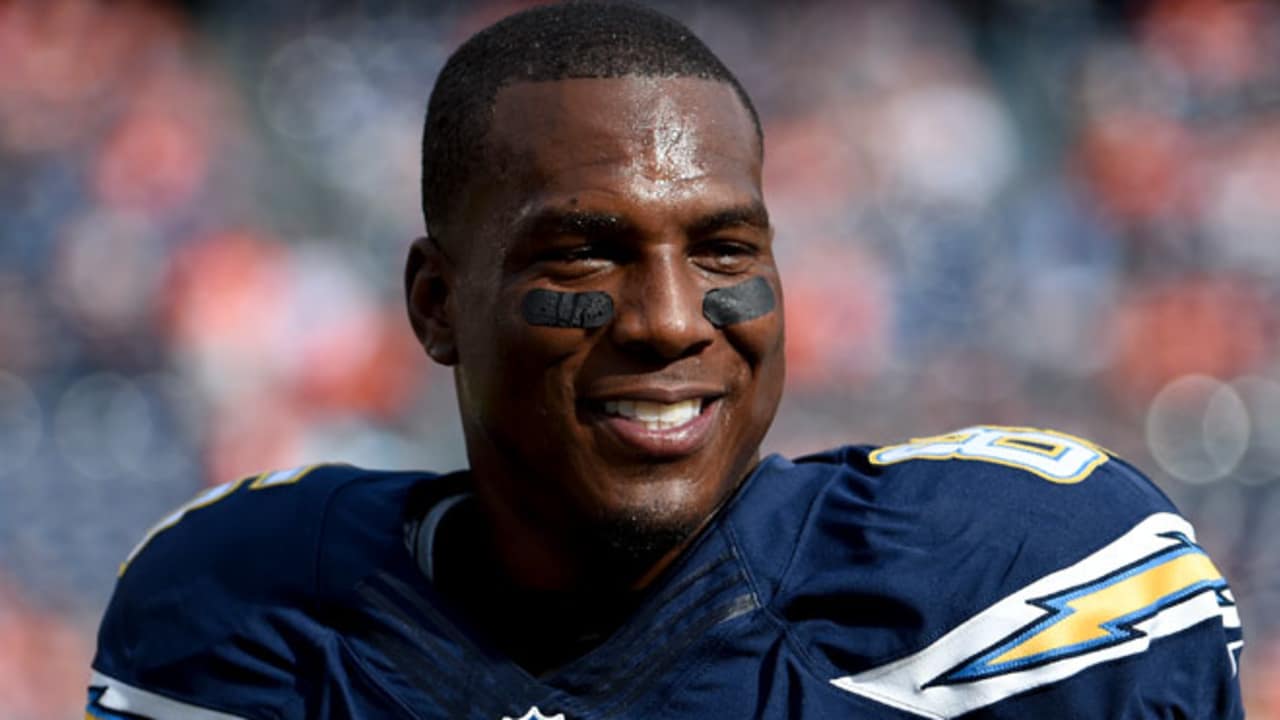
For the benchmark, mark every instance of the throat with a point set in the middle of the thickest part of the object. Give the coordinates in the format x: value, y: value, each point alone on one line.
x: 542, y: 631
x: 538, y: 629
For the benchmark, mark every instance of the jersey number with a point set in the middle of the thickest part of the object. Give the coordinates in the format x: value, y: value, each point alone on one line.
x: 1054, y: 456
x: 213, y: 495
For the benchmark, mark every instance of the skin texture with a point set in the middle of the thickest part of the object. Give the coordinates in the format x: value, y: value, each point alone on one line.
x: 647, y: 189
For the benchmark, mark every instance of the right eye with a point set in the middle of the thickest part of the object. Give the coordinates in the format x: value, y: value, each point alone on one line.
x: 573, y: 254
x: 574, y: 261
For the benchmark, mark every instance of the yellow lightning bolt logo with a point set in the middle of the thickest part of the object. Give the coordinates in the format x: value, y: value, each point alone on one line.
x: 1099, y: 614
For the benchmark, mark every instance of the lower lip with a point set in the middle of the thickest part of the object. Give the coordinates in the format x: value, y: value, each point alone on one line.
x: 665, y: 443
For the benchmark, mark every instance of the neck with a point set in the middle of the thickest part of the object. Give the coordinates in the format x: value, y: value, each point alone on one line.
x: 539, y: 620
x: 560, y: 555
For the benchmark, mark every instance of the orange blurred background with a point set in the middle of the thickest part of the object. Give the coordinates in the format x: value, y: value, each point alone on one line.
x: 1059, y: 214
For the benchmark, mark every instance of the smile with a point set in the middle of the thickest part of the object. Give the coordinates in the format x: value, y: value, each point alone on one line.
x: 655, y: 415
x: 652, y: 428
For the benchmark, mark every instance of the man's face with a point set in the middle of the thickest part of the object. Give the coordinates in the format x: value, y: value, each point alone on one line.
x: 647, y: 189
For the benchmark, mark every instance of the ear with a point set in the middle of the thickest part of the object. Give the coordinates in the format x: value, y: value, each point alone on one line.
x: 428, y: 286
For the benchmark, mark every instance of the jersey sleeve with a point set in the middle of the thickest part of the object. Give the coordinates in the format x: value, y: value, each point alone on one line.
x: 207, y: 606
x: 1012, y: 573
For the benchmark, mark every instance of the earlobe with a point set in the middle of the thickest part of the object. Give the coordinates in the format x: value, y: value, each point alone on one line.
x: 427, y: 285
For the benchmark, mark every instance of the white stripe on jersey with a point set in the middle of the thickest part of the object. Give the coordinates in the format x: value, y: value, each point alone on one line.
x: 985, y: 659
x: 122, y: 697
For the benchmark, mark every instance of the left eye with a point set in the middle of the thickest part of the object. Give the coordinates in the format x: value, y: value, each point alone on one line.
x: 729, y: 256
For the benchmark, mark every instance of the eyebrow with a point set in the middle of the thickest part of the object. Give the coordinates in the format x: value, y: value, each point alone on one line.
x: 554, y: 221
x: 753, y: 215
x: 583, y: 223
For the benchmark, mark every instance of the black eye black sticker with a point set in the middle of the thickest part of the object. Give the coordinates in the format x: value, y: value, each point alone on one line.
x: 721, y: 307
x: 739, y: 303
x: 567, y: 310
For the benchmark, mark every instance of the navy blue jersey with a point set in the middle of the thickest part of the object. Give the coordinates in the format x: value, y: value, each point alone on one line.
x: 988, y: 573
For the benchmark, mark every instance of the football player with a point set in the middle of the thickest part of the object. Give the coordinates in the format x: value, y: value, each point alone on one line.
x: 598, y: 273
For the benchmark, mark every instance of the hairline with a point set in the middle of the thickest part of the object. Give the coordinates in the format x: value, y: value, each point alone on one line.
x: 486, y: 159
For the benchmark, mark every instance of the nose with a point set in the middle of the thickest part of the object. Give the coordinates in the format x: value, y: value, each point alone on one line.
x: 659, y: 313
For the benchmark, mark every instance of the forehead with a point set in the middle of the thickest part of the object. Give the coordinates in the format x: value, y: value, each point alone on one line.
x: 632, y: 138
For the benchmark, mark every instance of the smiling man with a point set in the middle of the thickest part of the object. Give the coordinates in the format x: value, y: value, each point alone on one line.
x: 643, y: 192
x: 598, y: 273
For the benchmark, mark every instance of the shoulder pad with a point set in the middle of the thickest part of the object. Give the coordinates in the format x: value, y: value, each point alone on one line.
x: 272, y: 506
x: 993, y: 560
x: 1021, y: 499
x: 989, y: 468
x: 225, y: 564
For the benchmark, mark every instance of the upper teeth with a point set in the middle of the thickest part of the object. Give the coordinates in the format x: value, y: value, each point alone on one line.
x: 655, y: 416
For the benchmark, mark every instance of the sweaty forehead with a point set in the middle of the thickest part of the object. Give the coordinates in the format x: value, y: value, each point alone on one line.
x: 669, y: 130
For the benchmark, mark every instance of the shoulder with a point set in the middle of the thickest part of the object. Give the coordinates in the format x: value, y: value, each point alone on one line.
x: 949, y: 573
x: 1044, y: 495
x: 1008, y: 483
x: 990, y: 485
x: 243, y: 527
x: 232, y: 573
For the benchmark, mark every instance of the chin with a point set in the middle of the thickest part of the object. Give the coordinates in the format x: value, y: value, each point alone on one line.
x: 639, y: 520
x: 628, y: 540
x: 656, y: 495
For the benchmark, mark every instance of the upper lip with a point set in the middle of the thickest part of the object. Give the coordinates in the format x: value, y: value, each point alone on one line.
x: 665, y: 394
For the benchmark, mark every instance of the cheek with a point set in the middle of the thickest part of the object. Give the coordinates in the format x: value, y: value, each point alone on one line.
x: 760, y: 339
x: 761, y: 343
x: 538, y: 360
x: 746, y: 301
x: 536, y: 328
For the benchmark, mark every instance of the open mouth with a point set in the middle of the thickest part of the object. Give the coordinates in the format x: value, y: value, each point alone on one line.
x: 658, y: 429
x: 656, y: 416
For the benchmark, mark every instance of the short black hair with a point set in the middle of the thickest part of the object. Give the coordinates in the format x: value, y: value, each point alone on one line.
x: 553, y: 42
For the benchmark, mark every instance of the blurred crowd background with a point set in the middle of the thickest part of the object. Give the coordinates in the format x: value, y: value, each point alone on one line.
x: 1027, y: 212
